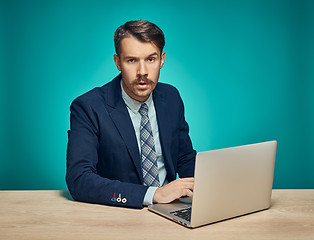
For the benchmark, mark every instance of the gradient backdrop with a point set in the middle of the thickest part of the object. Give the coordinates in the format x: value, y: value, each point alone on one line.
x: 245, y: 71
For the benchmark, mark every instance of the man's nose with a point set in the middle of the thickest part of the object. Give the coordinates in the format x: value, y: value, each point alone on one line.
x: 142, y: 69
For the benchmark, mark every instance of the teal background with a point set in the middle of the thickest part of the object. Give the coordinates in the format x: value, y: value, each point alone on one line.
x: 244, y: 70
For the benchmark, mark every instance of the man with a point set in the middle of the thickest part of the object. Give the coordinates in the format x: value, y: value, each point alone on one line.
x: 129, y: 138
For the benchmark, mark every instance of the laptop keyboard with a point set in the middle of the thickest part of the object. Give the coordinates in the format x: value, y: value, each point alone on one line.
x: 183, y: 213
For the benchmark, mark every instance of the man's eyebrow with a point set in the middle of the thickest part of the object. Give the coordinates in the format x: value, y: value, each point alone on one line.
x: 150, y: 55
x: 129, y: 57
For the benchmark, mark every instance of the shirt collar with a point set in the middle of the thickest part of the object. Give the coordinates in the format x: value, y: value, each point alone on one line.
x: 133, y: 104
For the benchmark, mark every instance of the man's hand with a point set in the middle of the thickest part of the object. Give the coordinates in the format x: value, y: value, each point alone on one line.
x: 181, y: 187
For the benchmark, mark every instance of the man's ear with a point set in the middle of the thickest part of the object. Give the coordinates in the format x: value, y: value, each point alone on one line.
x: 117, y: 61
x: 162, y: 59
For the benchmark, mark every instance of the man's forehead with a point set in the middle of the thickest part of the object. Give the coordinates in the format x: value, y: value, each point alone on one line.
x: 131, y: 46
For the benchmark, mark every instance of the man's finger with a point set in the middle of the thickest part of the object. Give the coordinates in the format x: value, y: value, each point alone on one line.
x: 188, y: 193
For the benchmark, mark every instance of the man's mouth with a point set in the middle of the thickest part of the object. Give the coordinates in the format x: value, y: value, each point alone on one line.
x: 143, y: 82
x: 142, y: 85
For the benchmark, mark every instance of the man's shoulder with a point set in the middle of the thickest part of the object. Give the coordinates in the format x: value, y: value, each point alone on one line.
x: 166, y: 88
x: 92, y: 96
x: 95, y: 95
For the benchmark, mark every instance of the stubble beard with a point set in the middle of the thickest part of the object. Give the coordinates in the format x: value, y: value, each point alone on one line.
x: 146, y: 92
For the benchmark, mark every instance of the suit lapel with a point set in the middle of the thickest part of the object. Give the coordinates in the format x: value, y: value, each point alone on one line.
x: 121, y: 118
x: 161, y: 107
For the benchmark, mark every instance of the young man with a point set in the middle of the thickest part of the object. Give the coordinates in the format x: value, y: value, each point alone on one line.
x: 129, y: 138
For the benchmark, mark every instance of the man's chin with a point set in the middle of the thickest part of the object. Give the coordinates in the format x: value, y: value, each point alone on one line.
x: 142, y: 96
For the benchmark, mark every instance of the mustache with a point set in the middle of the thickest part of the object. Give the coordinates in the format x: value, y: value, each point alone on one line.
x: 143, y: 79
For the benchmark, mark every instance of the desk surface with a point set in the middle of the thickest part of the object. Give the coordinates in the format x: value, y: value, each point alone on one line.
x: 54, y: 215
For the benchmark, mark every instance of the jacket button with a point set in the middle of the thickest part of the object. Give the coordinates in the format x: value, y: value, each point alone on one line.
x: 119, y: 198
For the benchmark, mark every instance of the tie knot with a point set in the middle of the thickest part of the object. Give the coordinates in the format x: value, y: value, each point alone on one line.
x: 143, y: 109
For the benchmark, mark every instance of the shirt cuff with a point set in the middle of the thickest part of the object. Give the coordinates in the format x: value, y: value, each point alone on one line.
x: 148, y: 198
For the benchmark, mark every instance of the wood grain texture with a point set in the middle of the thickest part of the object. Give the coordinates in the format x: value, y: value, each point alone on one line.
x: 54, y: 215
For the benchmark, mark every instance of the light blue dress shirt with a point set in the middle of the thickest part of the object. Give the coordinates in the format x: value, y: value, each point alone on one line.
x: 133, y: 107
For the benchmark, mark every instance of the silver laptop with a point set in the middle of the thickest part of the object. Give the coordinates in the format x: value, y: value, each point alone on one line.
x: 228, y: 183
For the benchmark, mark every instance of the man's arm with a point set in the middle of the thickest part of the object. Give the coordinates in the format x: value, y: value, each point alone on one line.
x: 186, y: 156
x: 83, y: 181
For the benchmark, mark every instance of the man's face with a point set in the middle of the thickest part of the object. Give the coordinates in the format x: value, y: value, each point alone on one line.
x: 140, y: 64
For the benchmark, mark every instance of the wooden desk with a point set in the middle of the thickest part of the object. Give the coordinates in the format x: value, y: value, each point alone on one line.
x: 53, y: 215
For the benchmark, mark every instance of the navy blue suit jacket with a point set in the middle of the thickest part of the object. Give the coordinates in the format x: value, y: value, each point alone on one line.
x: 103, y: 158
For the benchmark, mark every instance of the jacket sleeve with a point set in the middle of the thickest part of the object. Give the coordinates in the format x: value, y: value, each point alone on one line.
x: 186, y: 156
x: 83, y: 181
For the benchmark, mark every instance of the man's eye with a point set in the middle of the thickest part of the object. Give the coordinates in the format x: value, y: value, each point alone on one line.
x: 131, y: 60
x: 151, y: 59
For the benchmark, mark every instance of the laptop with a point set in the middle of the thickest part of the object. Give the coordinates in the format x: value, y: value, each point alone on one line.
x: 228, y: 183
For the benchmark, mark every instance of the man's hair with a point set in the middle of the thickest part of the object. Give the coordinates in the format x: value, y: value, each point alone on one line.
x: 143, y: 31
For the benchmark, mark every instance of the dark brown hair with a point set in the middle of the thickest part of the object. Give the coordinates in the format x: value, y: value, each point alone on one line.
x: 143, y: 31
